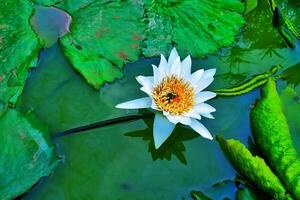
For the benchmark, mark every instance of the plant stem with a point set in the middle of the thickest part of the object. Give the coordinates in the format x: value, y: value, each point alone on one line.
x: 102, y: 124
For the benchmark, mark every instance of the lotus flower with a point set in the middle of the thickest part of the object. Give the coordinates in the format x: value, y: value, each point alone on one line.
x: 177, y: 95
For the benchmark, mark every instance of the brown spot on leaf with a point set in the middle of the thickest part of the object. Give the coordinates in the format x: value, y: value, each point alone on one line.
x: 116, y: 17
x: 122, y: 55
x: 100, y: 32
x: 134, y: 46
x: 2, y: 78
x: 136, y: 36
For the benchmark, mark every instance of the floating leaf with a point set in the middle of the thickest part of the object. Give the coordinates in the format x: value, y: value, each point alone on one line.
x: 25, y: 154
x: 195, y: 27
x: 252, y: 167
x: 103, y: 37
x: 73, y: 5
x: 273, y: 137
x: 106, y: 34
x: 19, y: 47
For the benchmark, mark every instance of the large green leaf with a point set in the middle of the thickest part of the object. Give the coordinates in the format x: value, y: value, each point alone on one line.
x: 19, y: 47
x: 252, y: 167
x: 68, y: 5
x: 25, y: 154
x: 103, y: 37
x: 107, y: 34
x: 272, y: 135
x: 195, y: 27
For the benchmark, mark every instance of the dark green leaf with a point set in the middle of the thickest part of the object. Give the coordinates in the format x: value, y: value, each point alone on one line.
x: 19, y: 47
x: 97, y: 47
x: 195, y: 27
x: 25, y: 154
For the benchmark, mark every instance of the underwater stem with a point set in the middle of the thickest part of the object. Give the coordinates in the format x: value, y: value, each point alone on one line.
x: 102, y: 124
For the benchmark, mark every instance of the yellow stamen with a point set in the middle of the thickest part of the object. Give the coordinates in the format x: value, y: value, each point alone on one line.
x: 174, y: 95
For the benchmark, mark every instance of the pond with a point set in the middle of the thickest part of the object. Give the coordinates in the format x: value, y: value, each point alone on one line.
x: 119, y: 161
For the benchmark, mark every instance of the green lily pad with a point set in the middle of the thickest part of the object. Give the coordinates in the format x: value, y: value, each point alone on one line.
x: 105, y: 34
x: 194, y: 27
x: 25, y: 154
x: 97, y: 47
x: 19, y: 47
x: 272, y: 134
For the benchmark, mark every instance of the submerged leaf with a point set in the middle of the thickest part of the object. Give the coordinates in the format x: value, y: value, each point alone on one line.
x: 252, y: 167
x: 273, y: 137
x: 25, y: 154
x: 19, y: 47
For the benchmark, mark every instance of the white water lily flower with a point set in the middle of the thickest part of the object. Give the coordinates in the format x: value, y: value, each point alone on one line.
x: 178, y: 95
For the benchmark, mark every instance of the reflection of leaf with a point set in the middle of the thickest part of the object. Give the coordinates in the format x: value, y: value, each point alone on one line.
x: 292, y: 75
x: 25, y: 154
x: 18, y: 47
x: 252, y: 167
x: 236, y: 55
x: 270, y: 52
x: 273, y: 137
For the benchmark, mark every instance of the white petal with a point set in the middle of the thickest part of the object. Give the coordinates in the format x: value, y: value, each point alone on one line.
x: 209, y: 73
x: 193, y: 114
x: 176, y: 67
x: 196, y: 76
x: 147, y: 91
x: 199, y: 128
x: 162, y: 129
x: 173, y: 56
x: 204, y: 96
x: 146, y: 82
x: 203, y: 83
x: 179, y: 119
x: 153, y: 106
x: 186, y: 66
x: 163, y: 66
x: 156, y: 75
x: 204, y: 108
x: 207, y: 115
x: 136, y: 104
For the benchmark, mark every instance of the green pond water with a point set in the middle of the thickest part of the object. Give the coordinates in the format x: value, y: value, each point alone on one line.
x: 119, y: 161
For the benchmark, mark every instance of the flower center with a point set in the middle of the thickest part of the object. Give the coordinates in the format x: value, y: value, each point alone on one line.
x: 174, y: 95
